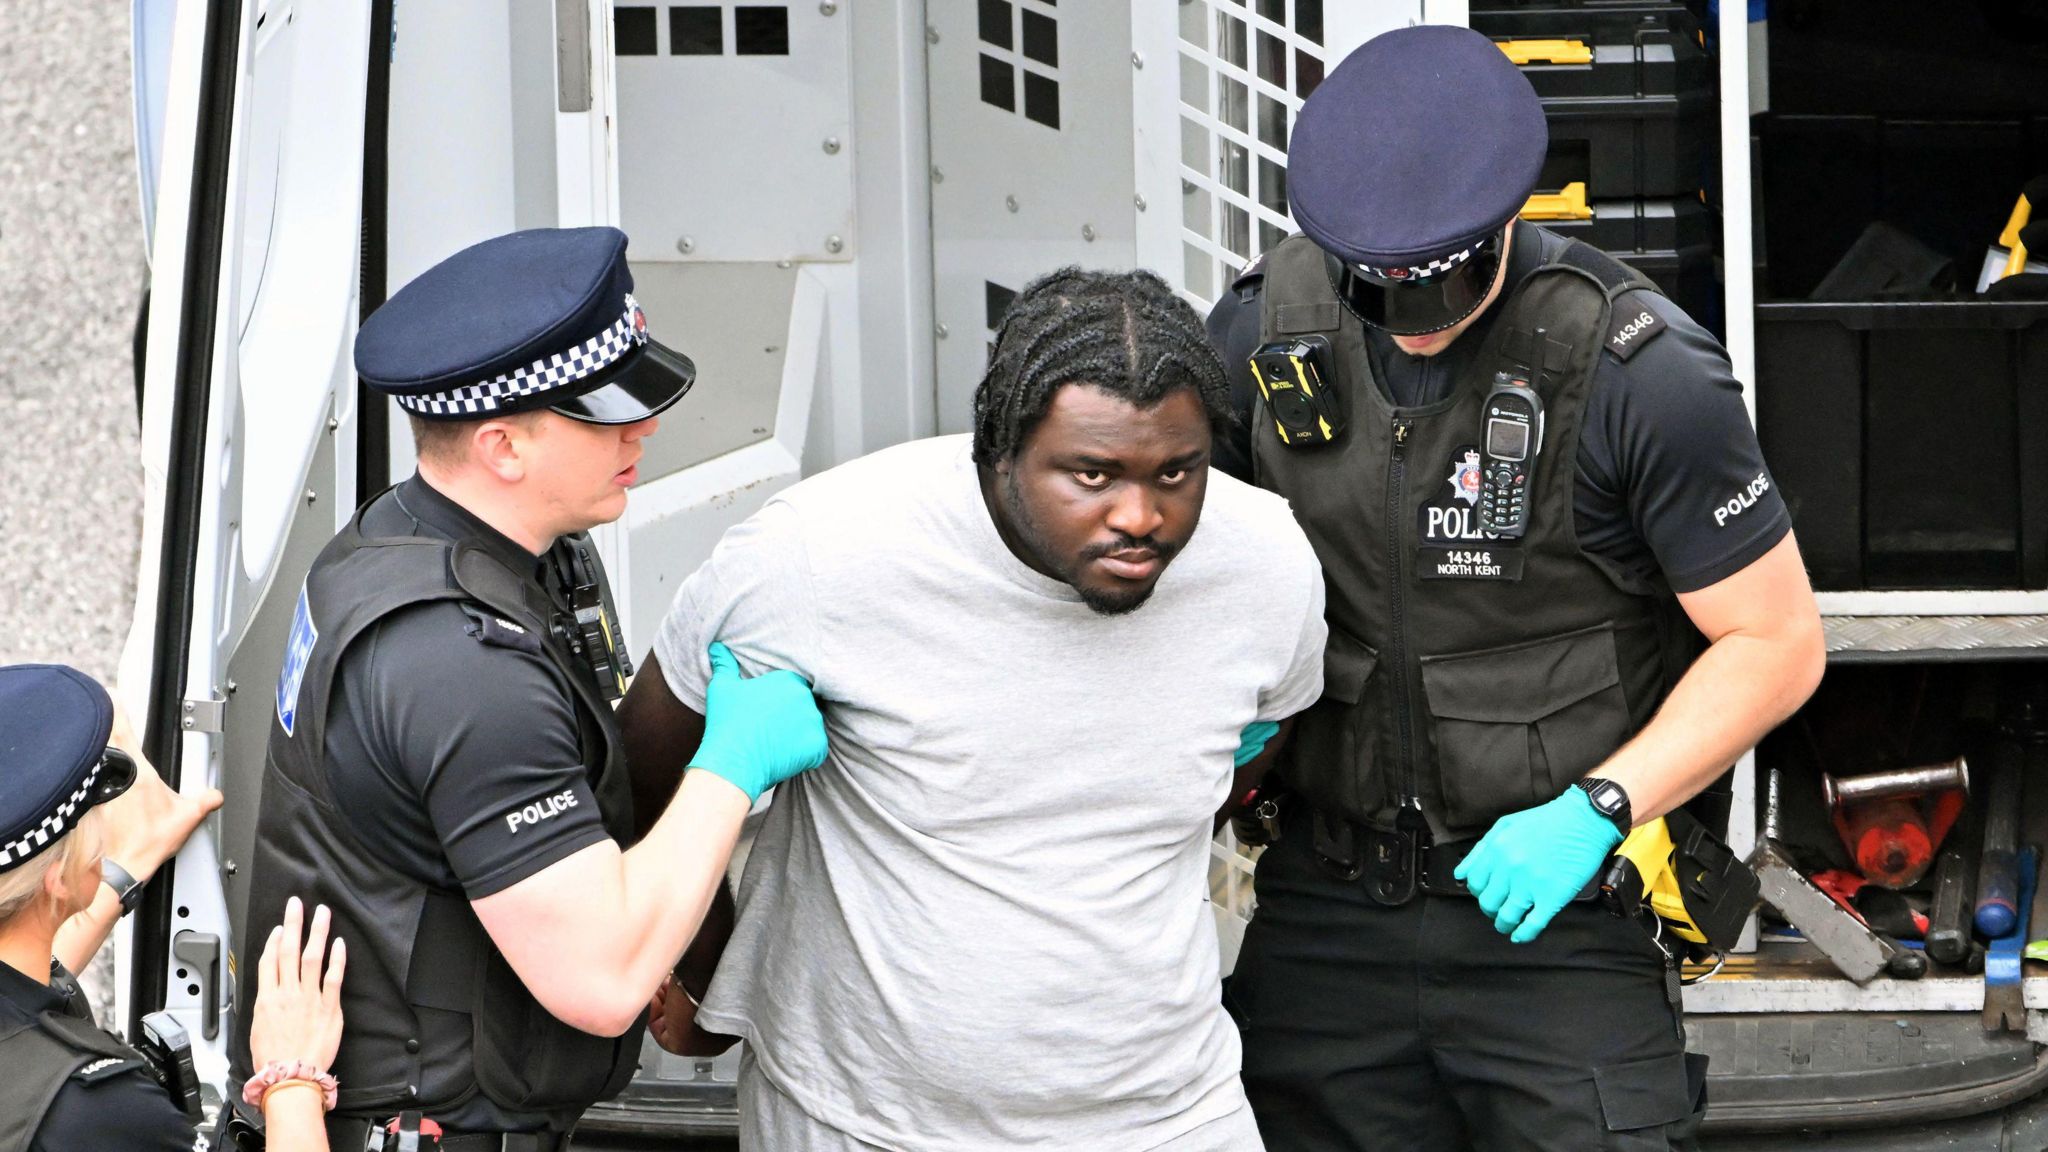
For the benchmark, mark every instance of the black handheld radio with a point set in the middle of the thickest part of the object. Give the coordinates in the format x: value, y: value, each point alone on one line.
x: 1291, y: 378
x: 1513, y: 437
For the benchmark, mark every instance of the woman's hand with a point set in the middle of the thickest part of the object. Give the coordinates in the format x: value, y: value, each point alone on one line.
x: 147, y: 824
x: 298, y: 1012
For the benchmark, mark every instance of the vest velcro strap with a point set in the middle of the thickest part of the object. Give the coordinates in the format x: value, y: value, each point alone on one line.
x: 1295, y: 319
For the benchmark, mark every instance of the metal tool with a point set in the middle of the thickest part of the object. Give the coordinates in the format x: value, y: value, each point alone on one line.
x: 1948, y: 921
x: 1859, y: 952
x: 1998, y: 907
x: 1840, y: 790
x: 1892, y: 822
x: 2004, y: 1002
x: 1841, y: 936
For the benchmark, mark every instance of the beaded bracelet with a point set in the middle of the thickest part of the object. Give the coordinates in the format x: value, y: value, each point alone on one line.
x: 279, y: 1072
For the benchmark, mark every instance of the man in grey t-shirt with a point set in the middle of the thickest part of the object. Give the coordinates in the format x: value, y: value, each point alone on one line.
x: 986, y: 928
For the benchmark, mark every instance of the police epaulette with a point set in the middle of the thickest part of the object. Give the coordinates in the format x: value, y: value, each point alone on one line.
x: 490, y: 628
x: 1256, y: 270
x: 104, y: 1068
x: 1633, y: 325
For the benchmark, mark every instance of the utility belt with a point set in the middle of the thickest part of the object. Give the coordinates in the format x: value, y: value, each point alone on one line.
x: 410, y: 1133
x: 1384, y: 859
x: 1672, y: 875
x: 406, y: 1132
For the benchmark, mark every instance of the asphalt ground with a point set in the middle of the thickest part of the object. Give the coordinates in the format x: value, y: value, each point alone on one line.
x: 71, y: 274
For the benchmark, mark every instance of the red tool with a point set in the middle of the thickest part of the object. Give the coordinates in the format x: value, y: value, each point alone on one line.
x: 1893, y: 822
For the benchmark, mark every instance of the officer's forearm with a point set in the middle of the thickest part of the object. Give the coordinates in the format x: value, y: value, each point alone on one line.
x: 1756, y: 673
x: 592, y: 936
x: 79, y: 938
x: 700, y: 959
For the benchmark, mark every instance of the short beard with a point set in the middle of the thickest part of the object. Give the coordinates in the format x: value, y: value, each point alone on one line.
x: 1068, y: 571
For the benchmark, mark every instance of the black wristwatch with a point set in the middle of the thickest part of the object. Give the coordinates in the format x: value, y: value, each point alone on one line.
x: 1610, y: 800
x: 127, y: 887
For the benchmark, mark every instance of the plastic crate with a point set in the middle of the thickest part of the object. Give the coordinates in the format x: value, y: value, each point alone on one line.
x: 1628, y: 91
x: 1910, y: 440
x: 1671, y: 241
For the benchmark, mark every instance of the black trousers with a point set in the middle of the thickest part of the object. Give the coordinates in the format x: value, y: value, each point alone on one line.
x: 1369, y: 1028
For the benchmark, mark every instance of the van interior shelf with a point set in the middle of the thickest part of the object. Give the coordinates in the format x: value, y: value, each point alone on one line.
x: 1881, y: 639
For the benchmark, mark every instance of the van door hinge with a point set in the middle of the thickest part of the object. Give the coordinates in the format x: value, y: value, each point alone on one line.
x: 203, y: 715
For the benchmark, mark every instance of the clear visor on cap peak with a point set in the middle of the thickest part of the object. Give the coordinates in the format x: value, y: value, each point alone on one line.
x: 1415, y: 302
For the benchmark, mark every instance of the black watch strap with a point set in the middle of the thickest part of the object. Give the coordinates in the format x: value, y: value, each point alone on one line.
x: 127, y: 887
x: 1610, y: 800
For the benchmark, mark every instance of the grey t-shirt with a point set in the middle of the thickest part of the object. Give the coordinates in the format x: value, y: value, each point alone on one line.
x: 982, y: 923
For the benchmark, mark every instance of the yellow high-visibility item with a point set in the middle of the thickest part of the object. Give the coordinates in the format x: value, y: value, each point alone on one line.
x: 1568, y: 203
x: 1650, y: 849
x: 1525, y: 52
x: 2016, y: 252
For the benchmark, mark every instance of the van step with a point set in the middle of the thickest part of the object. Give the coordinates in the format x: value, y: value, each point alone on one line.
x: 1779, y: 1070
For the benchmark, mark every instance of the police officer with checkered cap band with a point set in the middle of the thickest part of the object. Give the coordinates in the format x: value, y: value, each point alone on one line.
x: 1426, y: 969
x: 64, y: 1083
x: 445, y: 770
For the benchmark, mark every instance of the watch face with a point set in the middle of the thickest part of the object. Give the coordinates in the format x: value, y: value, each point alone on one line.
x: 1607, y: 796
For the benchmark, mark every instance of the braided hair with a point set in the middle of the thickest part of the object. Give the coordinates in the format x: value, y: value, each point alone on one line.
x: 1126, y: 333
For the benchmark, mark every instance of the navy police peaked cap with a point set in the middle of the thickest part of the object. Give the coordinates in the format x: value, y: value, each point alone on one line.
x: 537, y: 319
x: 54, y: 723
x: 1421, y: 145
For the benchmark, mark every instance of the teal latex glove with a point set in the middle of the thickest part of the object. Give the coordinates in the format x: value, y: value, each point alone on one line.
x: 1531, y: 863
x: 1252, y: 740
x: 758, y: 732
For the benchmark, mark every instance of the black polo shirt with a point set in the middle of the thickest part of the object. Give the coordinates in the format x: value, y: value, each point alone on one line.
x: 454, y: 754
x: 126, y: 1111
x: 1665, y: 446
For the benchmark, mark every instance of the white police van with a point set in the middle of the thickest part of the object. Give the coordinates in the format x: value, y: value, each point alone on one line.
x: 831, y: 201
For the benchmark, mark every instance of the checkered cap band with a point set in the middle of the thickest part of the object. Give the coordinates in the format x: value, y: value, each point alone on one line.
x: 546, y: 374
x: 1436, y: 267
x: 13, y: 852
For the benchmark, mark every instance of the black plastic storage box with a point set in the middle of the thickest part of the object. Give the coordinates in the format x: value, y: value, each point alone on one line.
x: 1908, y: 435
x: 1670, y: 241
x: 1628, y: 90
x: 1910, y: 440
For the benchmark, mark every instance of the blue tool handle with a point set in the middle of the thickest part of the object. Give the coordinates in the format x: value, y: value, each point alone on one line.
x: 2002, y: 960
x: 1998, y: 894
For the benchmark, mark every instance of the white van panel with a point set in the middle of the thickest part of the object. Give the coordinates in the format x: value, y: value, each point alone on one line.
x: 300, y: 302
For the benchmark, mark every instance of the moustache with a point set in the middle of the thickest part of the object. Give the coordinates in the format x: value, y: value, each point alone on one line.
x: 1164, y: 549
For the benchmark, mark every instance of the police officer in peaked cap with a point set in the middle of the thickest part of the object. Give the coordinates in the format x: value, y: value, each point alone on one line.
x: 445, y: 769
x: 1535, y: 491
x: 68, y: 870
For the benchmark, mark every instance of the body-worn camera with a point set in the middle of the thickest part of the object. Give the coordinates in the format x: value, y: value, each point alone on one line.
x: 592, y: 629
x: 168, y: 1051
x: 1293, y: 379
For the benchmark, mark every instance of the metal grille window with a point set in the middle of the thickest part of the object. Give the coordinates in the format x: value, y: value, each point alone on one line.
x: 1020, y: 48
x: 701, y: 30
x: 1245, y: 66
x: 633, y: 31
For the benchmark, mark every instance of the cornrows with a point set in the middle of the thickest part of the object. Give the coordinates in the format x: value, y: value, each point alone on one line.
x: 1123, y: 332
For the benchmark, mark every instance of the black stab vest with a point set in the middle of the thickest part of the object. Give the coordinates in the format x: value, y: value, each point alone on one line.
x: 435, y: 1014
x: 1476, y: 675
x: 39, y: 1056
